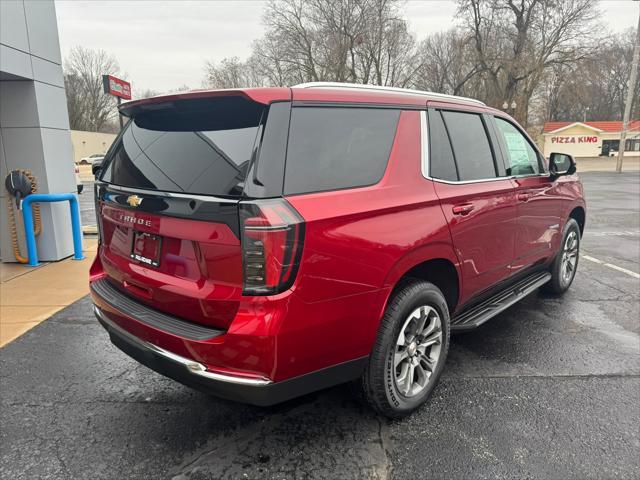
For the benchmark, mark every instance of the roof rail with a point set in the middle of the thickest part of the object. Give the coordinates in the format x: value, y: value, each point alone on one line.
x: 410, y: 91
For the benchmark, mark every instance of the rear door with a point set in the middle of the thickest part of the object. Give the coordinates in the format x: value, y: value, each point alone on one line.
x: 477, y: 199
x: 168, y: 201
x: 539, y: 223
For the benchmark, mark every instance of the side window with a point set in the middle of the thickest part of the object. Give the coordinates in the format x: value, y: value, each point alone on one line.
x: 522, y: 158
x: 471, y: 147
x: 336, y: 148
x: 441, y: 162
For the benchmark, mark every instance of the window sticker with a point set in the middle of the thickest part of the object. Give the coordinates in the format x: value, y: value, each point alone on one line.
x: 517, y: 147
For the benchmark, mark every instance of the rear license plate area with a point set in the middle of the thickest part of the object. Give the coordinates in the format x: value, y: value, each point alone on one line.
x: 146, y: 248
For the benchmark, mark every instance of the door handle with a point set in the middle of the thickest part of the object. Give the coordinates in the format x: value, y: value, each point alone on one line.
x: 523, y: 197
x: 464, y: 209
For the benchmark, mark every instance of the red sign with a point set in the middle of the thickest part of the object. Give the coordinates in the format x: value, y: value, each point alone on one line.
x: 117, y: 87
x: 584, y: 139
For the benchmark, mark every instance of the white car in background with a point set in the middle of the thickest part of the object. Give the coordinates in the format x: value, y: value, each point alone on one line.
x: 91, y: 158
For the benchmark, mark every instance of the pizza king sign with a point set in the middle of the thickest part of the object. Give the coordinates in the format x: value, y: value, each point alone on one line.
x: 574, y: 139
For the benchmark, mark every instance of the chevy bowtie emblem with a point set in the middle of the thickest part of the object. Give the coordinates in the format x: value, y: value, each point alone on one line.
x: 134, y: 200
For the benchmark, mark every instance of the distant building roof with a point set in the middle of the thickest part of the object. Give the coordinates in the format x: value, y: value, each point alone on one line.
x: 609, y: 127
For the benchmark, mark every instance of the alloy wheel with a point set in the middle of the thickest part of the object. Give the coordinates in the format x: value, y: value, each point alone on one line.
x: 417, y: 350
x: 569, y: 258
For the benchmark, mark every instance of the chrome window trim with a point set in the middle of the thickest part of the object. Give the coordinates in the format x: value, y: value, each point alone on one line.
x: 424, y: 144
x: 424, y: 149
x: 483, y: 180
x: 529, y: 175
x: 464, y: 182
x: 160, y: 193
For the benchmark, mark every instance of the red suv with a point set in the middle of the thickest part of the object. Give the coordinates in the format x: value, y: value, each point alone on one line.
x: 260, y: 244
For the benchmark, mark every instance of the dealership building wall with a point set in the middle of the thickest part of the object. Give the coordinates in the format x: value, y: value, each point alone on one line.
x: 590, y: 139
x: 88, y: 143
x: 34, y: 124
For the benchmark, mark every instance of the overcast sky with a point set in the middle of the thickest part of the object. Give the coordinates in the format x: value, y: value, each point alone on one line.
x: 162, y: 45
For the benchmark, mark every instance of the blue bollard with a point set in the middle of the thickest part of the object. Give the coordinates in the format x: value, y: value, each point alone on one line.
x: 27, y: 217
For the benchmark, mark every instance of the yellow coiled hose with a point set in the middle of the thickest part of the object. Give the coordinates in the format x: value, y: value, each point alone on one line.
x: 37, y: 222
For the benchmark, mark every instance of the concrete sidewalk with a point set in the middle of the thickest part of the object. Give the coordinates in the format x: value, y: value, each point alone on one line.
x: 29, y: 295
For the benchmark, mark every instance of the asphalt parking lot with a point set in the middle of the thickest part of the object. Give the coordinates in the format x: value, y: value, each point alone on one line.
x: 548, y: 389
x: 87, y: 207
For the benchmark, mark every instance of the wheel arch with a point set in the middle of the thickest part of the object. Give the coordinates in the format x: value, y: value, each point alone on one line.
x: 579, y: 215
x: 435, y: 264
x: 443, y: 274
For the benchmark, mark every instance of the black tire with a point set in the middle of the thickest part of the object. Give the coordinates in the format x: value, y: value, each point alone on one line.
x: 559, y: 283
x: 378, y: 384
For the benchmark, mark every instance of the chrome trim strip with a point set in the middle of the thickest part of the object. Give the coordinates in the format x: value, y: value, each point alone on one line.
x: 530, y: 175
x: 424, y: 143
x: 409, y: 91
x: 463, y: 182
x: 159, y: 193
x: 193, y: 367
x: 494, y: 179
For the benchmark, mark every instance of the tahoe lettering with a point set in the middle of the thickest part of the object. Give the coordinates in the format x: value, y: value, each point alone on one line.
x: 134, y: 220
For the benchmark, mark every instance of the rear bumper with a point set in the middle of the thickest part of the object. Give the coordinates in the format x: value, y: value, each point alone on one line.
x: 255, y: 391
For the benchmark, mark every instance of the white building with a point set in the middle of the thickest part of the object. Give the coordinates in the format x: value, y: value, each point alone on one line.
x: 590, y: 139
x: 34, y: 124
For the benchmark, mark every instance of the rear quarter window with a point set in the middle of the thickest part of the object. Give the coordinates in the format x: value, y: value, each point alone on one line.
x: 336, y: 148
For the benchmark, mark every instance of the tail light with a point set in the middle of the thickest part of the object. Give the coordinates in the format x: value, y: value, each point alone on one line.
x: 77, y: 169
x: 272, y: 236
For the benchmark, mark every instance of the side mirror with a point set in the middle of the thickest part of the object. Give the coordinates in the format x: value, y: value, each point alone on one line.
x: 561, y: 164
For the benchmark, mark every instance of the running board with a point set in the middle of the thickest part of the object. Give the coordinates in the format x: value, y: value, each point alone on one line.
x: 476, y: 316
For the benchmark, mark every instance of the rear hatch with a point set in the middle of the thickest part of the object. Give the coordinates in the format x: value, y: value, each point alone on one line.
x: 170, y: 212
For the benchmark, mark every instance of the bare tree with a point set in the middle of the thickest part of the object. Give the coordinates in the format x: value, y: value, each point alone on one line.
x: 360, y: 41
x: 269, y: 64
x: 501, y: 51
x: 517, y: 41
x: 232, y: 73
x: 89, y: 108
x: 447, y: 63
x: 145, y: 93
x: 181, y: 88
x: 595, y: 88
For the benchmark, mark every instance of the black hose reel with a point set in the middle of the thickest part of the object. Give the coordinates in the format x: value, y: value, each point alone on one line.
x: 19, y: 185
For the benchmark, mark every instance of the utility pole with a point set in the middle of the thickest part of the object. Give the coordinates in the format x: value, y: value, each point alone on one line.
x: 631, y: 90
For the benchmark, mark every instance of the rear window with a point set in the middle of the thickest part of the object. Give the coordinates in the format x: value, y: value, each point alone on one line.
x: 195, y: 146
x: 337, y: 148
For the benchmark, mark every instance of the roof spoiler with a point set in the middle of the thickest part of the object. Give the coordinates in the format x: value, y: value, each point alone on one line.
x: 258, y: 95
